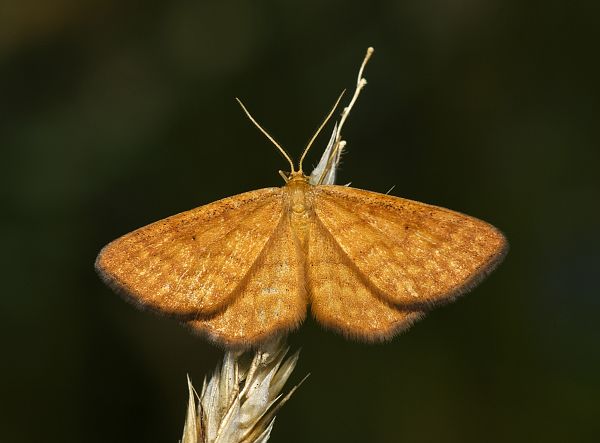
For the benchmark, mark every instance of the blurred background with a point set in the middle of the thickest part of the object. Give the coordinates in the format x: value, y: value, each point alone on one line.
x: 116, y: 114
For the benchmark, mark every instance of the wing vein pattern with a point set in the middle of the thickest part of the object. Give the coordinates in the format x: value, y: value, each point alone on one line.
x: 341, y: 297
x: 271, y: 300
x: 211, y: 250
x: 414, y: 254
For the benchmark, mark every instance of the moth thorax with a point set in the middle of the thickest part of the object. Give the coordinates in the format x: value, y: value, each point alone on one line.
x: 300, y: 207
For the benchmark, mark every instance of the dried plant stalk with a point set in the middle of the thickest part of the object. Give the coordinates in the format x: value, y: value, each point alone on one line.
x: 239, y: 402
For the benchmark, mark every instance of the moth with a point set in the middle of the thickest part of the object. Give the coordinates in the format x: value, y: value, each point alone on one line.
x: 246, y: 268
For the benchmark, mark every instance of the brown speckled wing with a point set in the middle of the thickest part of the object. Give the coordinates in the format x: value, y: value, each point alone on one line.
x: 272, y: 299
x: 342, y: 299
x: 411, y: 254
x: 193, y: 262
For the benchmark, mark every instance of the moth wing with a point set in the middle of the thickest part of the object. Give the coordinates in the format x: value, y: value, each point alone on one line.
x: 196, y: 260
x: 342, y: 299
x: 413, y: 253
x: 271, y: 300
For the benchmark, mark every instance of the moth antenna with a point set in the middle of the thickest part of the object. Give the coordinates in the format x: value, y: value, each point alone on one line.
x: 287, y: 157
x: 319, y: 130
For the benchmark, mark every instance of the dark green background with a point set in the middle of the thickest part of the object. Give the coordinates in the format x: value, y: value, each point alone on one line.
x: 115, y: 114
